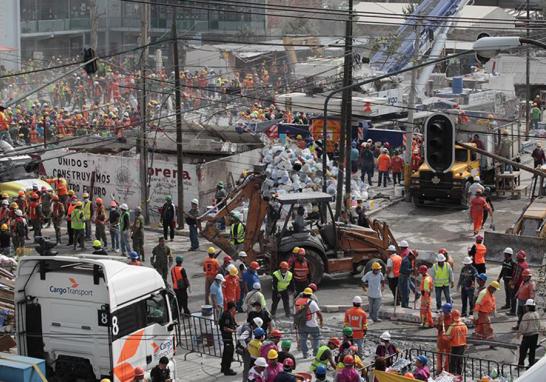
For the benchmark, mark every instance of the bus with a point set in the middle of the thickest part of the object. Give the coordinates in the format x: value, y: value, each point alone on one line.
x: 92, y: 317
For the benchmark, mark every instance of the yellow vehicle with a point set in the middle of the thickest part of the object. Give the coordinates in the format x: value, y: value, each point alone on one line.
x: 449, y: 186
x: 12, y: 188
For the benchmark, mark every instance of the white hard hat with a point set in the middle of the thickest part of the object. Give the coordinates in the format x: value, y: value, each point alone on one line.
x: 230, y: 267
x: 357, y: 300
x: 124, y: 207
x: 18, y: 212
x: 404, y: 244
x: 195, y: 201
x: 5, y: 202
x: 386, y: 336
x: 391, y: 248
x: 530, y: 302
x: 467, y: 260
x: 509, y: 250
x: 256, y: 286
x: 219, y: 277
x: 242, y: 254
x: 260, y: 362
x: 477, y: 178
x: 440, y: 257
x: 258, y: 321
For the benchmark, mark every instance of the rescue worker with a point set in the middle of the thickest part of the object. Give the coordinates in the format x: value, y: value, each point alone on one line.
x: 325, y: 354
x: 124, y: 229
x: 113, y: 222
x: 78, y: 225
x: 191, y: 220
x: 254, y: 296
x: 505, y: 275
x: 100, y: 222
x: 4, y: 211
x: 282, y: 284
x: 320, y: 374
x: 285, y: 352
x: 517, y: 279
x: 421, y: 372
x: 286, y: 374
x: 237, y: 232
x: 529, y: 329
x: 310, y: 327
x: 181, y: 284
x: 271, y: 343
x: 224, y: 267
x: 168, y: 218
x: 227, y: 326
x: 466, y: 285
x: 98, y: 250
x: 255, y: 374
x: 137, y: 233
x: 426, y: 298
x: 57, y: 215
x: 5, y: 240
x: 393, y: 271
x: 478, y: 205
x: 241, y: 267
x: 46, y: 205
x: 161, y: 372
x: 443, y: 346
x: 442, y: 274
x: 231, y: 289
x: 525, y: 292
x: 478, y: 253
x: 386, y: 349
x: 456, y: 334
x: 407, y: 268
x: 300, y: 270
x: 357, y: 320
x: 349, y: 373
x: 134, y: 258
x: 346, y: 343
x: 69, y: 209
x: 87, y: 214
x: 210, y: 268
x: 217, y: 295
x: 273, y: 366
x: 374, y: 282
x: 162, y: 258
x: 255, y: 344
x: 484, y: 307
x: 35, y: 214
x: 18, y: 232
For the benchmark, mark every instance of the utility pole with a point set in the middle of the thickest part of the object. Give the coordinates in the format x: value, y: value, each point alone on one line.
x: 527, y: 70
x: 143, y: 147
x: 346, y: 111
x: 179, y: 153
x: 93, y: 20
x: 409, y: 126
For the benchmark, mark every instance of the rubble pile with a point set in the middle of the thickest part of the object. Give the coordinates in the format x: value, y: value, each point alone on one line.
x: 7, y: 307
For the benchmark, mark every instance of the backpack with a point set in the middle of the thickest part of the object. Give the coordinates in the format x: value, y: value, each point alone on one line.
x: 300, y: 318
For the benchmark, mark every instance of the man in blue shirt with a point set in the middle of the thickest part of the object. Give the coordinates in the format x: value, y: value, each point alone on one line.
x: 406, y: 269
x: 216, y: 295
x: 250, y: 276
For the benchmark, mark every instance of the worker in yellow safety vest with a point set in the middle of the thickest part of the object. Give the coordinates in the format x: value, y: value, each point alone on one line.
x: 87, y: 214
x: 237, y: 232
x: 283, y: 283
x: 442, y: 273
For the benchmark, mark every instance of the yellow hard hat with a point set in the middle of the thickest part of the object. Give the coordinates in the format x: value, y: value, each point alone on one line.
x: 233, y: 271
x: 376, y: 266
x: 211, y: 250
x: 295, y: 250
x: 70, y: 192
x: 272, y: 354
x: 105, y: 380
x: 85, y: 195
x: 14, y: 205
x: 495, y: 284
x: 4, y: 227
x: 308, y: 291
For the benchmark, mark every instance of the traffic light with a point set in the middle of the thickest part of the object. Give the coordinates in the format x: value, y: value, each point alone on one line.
x: 439, y: 142
x: 89, y: 54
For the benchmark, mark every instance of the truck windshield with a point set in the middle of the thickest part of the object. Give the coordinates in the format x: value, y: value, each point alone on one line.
x: 156, y: 311
x: 461, y: 155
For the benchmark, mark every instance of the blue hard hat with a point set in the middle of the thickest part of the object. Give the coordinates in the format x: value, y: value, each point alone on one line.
x: 482, y: 276
x: 447, y: 307
x: 320, y: 370
x: 133, y: 255
x: 259, y: 332
x: 423, y: 359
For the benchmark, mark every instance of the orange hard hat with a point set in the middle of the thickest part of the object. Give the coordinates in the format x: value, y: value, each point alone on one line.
x: 283, y: 265
x: 348, y: 360
x: 276, y: 333
x: 443, y: 251
x: 98, y: 201
x: 334, y: 341
x: 409, y: 375
x: 254, y: 265
x: 21, y: 193
x: 139, y: 372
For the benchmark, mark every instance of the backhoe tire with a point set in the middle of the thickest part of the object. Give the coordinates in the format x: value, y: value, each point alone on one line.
x: 316, y: 265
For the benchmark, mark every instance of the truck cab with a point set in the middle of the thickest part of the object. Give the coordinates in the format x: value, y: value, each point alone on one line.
x: 449, y: 186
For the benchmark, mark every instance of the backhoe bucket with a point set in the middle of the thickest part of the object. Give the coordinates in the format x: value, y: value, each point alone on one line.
x: 496, y: 242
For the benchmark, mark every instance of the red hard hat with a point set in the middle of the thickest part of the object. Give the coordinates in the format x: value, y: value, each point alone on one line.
x: 139, y: 372
x: 288, y: 362
x: 423, y: 269
x: 301, y: 251
x: 98, y: 201
x: 254, y: 265
x: 276, y: 333
x: 353, y: 348
x: 443, y: 251
x: 227, y: 259
x: 34, y: 195
x: 313, y: 287
x: 283, y: 265
x: 521, y: 255
x: 526, y: 273
x: 334, y: 341
x: 348, y: 360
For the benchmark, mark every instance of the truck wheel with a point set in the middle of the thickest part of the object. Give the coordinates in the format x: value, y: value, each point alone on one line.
x: 316, y: 265
x: 369, y: 265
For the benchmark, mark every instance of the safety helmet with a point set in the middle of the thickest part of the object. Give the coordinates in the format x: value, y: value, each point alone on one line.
x: 409, y: 374
x: 423, y: 359
x: 254, y: 265
x: 256, y: 286
x: 70, y: 192
x: 259, y: 332
x: 440, y: 258
x: 348, y: 360
x: 85, y: 195
x: 347, y: 331
x: 242, y: 254
x: 447, y: 307
x: 13, y: 205
x: 139, y: 372
x: 275, y: 333
x: 233, y: 271
x: 284, y: 265
x: 258, y: 322
x: 526, y: 273
x: 124, y: 207
x: 376, y: 266
x: 260, y: 362
x: 479, y: 238
x: 113, y: 204
x: 467, y: 260
x: 179, y: 259
x: 195, y: 201
x: 227, y: 259
x: 98, y: 200
x: 482, y: 276
x: 5, y: 195
x: 18, y: 212
x: 320, y: 370
x: 5, y: 202
x: 404, y: 244
x: 385, y: 336
x: 308, y: 291
x: 530, y: 302
x: 521, y: 255
x: 334, y: 341
x: 443, y: 251
x: 391, y: 248
x: 219, y: 277
x: 423, y: 269
x: 34, y: 196
x: 105, y: 380
x: 97, y: 244
x: 272, y: 354
x: 133, y: 255
x: 456, y: 314
x: 4, y: 227
x: 21, y: 193
x: 301, y: 251
x: 495, y: 284
x: 295, y: 250
x: 313, y: 287
x: 286, y: 345
x: 357, y: 300
x: 288, y: 363
x: 211, y: 250
x: 509, y: 251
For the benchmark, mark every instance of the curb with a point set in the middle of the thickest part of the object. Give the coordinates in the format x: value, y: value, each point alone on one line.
x: 391, y: 203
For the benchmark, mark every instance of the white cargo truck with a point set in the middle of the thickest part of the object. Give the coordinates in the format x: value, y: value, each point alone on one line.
x: 93, y: 317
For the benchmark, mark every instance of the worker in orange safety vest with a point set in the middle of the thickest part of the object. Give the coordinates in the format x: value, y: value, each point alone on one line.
x: 484, y: 307
x: 231, y: 288
x: 426, y: 298
x: 300, y: 270
x: 210, y: 268
x: 443, y: 345
x: 478, y: 253
x: 393, y: 271
x: 357, y: 319
x: 456, y: 334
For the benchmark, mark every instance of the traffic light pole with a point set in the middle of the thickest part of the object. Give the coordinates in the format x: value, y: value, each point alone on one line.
x: 365, y: 82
